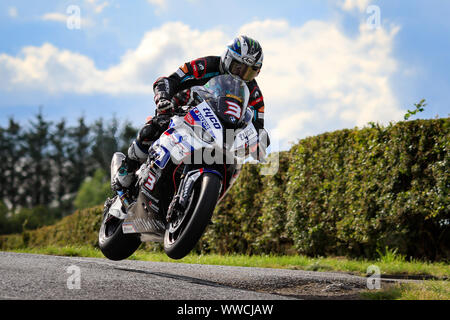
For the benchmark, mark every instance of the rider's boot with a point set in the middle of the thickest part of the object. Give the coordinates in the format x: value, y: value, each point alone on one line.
x: 125, y: 175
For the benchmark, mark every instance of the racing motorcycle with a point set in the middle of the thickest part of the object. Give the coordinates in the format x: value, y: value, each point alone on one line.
x: 188, y: 172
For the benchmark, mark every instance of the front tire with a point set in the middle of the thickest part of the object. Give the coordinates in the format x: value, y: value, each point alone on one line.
x: 177, y: 244
x: 113, y: 243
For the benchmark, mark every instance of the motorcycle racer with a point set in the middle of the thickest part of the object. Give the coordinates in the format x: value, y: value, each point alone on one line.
x: 243, y: 59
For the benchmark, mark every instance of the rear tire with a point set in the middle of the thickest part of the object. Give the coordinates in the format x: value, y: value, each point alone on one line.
x: 113, y: 243
x: 204, y: 199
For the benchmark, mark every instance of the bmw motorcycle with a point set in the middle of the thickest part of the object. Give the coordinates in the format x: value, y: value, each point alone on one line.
x: 188, y: 172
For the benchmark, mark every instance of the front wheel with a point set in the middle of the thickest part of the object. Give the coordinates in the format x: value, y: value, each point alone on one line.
x: 183, y: 234
x: 113, y: 243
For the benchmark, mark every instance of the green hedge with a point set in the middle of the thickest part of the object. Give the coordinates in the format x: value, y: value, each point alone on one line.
x: 348, y: 192
x: 80, y: 228
x: 345, y: 193
x: 353, y: 191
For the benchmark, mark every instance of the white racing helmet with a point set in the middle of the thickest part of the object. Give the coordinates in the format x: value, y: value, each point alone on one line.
x: 243, y: 58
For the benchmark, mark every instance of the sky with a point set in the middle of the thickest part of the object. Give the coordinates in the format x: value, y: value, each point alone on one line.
x: 328, y: 65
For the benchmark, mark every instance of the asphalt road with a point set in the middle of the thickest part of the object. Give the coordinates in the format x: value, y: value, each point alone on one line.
x: 44, y: 277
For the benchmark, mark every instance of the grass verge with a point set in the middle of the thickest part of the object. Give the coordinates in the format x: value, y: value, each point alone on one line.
x: 389, y: 264
x: 423, y: 290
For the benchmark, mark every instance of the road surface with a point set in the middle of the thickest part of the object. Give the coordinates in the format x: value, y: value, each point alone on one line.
x: 44, y: 277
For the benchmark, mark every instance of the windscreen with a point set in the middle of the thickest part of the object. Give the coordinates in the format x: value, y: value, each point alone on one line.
x: 228, y: 97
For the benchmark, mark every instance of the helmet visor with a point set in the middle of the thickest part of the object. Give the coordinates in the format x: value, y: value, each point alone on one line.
x: 243, y: 71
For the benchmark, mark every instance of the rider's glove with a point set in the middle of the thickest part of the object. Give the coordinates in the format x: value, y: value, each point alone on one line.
x: 163, y: 105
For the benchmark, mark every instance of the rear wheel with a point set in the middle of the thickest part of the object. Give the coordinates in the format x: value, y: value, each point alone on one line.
x: 113, y: 243
x: 184, y: 232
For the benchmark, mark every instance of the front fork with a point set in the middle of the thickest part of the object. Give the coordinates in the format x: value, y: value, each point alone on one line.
x: 181, y: 200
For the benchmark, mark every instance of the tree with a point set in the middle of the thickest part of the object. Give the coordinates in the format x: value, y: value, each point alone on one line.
x: 419, y: 107
x: 127, y: 135
x: 93, y: 191
x: 4, y: 223
x: 44, y: 165
x: 10, y: 163
x: 37, y: 167
x: 79, y: 155
x: 105, y: 143
x: 60, y: 162
x: 3, y: 146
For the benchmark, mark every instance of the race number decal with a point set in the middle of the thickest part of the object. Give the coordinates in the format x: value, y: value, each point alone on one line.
x: 150, y: 184
x: 233, y: 109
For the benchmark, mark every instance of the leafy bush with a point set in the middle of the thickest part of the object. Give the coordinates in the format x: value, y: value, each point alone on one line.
x: 348, y: 192
x: 80, y: 228
x: 352, y: 192
x: 236, y: 220
x: 26, y: 218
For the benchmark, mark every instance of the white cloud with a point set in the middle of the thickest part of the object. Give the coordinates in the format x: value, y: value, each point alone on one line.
x: 101, y: 6
x: 160, y: 52
x: 315, y: 78
x: 98, y: 6
x: 158, y: 3
x: 62, y: 18
x: 349, y: 5
x: 54, y: 16
x: 47, y: 69
x: 12, y: 12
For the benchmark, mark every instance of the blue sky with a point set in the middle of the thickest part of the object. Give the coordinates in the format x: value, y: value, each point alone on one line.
x: 324, y: 68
